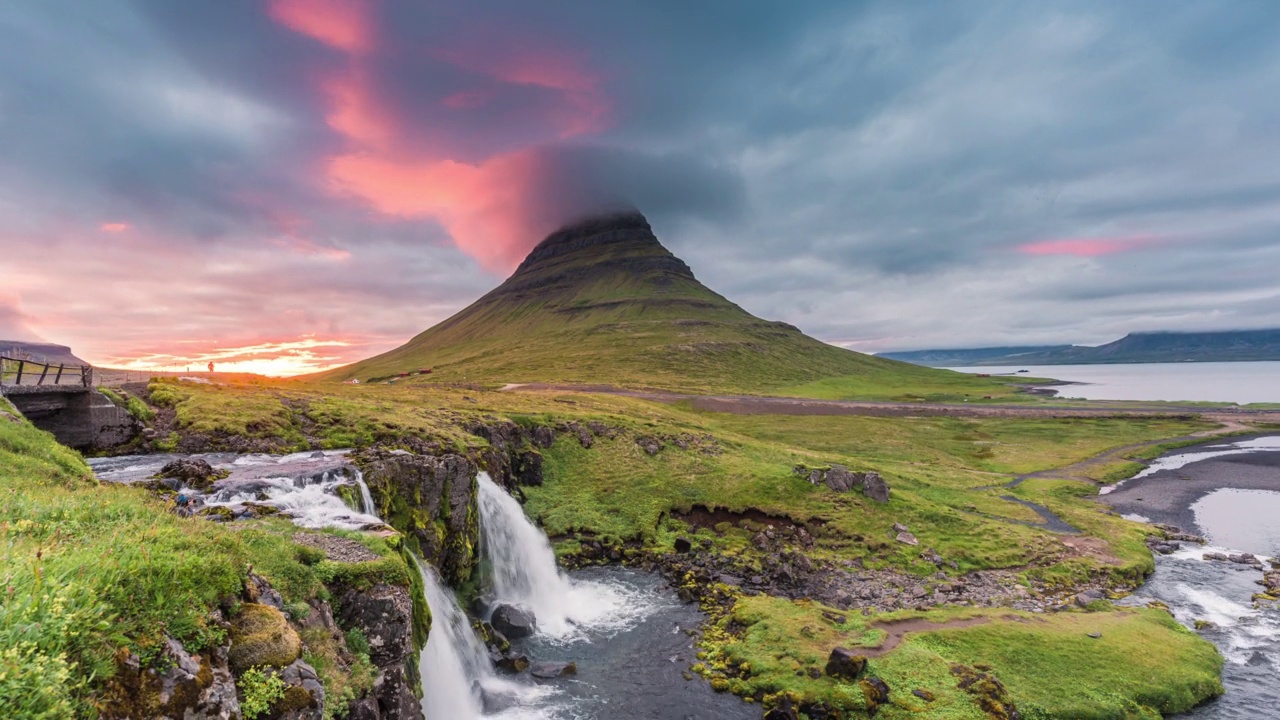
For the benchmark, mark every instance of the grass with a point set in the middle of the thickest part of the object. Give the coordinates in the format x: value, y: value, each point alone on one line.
x: 93, y: 568
x: 1143, y: 664
x: 938, y: 468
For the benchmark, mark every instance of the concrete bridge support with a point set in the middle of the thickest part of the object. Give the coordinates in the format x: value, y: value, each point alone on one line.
x: 78, y: 417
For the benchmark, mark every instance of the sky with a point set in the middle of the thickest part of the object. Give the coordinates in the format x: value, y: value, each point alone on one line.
x: 282, y: 186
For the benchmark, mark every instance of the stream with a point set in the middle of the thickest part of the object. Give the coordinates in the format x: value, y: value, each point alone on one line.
x: 1229, y: 492
x: 625, y: 630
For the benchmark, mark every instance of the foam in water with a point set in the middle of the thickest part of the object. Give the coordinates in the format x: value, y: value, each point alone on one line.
x: 525, y: 574
x: 310, y: 502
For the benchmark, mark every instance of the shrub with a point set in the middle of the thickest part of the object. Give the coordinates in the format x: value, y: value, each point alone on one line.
x: 260, y: 689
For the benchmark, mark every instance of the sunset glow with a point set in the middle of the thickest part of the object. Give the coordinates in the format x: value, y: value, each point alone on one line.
x: 277, y: 359
x: 1085, y: 247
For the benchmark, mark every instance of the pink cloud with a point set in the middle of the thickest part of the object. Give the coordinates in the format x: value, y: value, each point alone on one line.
x: 341, y: 24
x: 113, y: 227
x: 484, y: 203
x: 1086, y: 247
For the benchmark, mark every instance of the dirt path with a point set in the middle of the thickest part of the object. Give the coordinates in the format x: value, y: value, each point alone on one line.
x: 764, y: 405
x: 897, y: 631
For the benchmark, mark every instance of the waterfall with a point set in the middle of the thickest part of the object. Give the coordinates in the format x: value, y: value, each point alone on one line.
x: 366, y: 498
x: 454, y: 663
x: 525, y: 574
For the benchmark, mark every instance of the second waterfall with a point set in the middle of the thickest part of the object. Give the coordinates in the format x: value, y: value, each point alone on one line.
x: 524, y: 573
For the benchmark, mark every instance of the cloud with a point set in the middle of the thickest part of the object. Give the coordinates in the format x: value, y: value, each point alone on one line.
x: 1084, y: 247
x: 880, y: 174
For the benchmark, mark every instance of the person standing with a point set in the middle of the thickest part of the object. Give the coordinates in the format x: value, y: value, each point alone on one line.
x: 210, y: 366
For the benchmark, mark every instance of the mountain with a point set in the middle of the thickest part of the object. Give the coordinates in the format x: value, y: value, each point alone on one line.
x: 1153, y: 347
x: 969, y: 356
x: 40, y: 352
x: 602, y: 301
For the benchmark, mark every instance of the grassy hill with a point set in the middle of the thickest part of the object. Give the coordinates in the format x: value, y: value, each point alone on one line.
x: 603, y: 301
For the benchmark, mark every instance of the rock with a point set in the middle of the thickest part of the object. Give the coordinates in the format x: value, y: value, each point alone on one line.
x: 1088, y: 596
x: 1095, y: 635
x: 876, y: 692
x: 899, y: 527
x: 514, y: 662
x: 1220, y: 557
x: 513, y: 622
x: 990, y: 693
x: 258, y: 590
x: 261, y: 636
x: 924, y: 695
x: 1205, y: 624
x: 907, y: 538
x: 550, y: 669
x: 874, y: 487
x: 193, y: 687
x: 303, y: 695
x: 384, y: 613
x: 650, y: 445
x: 683, y: 545
x: 783, y: 709
x: 930, y: 555
x: 191, y: 472
x: 434, y: 499
x: 846, y: 664
x: 839, y: 478
x: 363, y: 709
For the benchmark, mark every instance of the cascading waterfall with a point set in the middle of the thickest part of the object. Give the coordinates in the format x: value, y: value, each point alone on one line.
x: 310, y: 501
x: 454, y: 663
x: 366, y: 498
x: 525, y: 574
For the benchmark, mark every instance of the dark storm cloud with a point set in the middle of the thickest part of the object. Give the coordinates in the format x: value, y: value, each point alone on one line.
x: 882, y: 174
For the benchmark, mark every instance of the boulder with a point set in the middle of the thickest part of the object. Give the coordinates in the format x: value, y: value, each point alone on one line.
x: 907, y: 538
x: 1088, y: 596
x: 513, y: 622
x: 874, y: 487
x: 550, y: 669
x: 839, y: 478
x: 303, y: 694
x: 194, y: 687
x: 846, y: 664
x: 192, y: 472
x: 783, y: 709
x: 683, y: 545
x: 261, y: 636
x: 513, y: 662
x: 876, y: 692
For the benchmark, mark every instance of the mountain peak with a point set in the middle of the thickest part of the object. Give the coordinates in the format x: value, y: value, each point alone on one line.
x: 601, y: 300
x: 614, y: 241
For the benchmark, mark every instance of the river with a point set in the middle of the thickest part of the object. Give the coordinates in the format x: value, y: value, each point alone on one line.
x: 1232, y: 382
x: 1228, y: 491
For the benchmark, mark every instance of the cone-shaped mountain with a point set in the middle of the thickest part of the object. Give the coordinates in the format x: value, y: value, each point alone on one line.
x: 602, y: 301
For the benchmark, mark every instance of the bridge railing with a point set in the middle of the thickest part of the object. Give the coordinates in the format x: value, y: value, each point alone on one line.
x: 19, y: 371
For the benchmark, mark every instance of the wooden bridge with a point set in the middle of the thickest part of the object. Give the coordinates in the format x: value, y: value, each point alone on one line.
x: 23, y: 373
x: 62, y: 399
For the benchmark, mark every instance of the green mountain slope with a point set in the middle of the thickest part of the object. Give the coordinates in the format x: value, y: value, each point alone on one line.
x: 603, y: 301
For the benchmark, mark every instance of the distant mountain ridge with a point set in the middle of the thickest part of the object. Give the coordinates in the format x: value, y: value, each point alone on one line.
x: 1150, y: 347
x: 51, y: 353
x: 601, y: 301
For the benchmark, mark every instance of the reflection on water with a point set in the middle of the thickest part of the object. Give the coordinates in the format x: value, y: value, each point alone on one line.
x: 1236, y: 382
x: 1247, y: 520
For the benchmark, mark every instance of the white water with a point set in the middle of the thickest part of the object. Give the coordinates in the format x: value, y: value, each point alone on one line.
x: 366, y: 498
x: 310, y: 502
x: 525, y: 574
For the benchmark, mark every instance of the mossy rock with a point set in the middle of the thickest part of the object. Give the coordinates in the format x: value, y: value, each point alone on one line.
x: 261, y: 635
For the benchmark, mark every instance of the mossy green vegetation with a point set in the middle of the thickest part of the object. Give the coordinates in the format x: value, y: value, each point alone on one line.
x: 1141, y: 664
x: 93, y: 568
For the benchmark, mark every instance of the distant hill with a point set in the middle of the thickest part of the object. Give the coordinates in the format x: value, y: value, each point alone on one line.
x: 40, y: 352
x: 1224, y: 346
x: 602, y: 301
